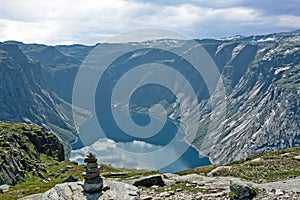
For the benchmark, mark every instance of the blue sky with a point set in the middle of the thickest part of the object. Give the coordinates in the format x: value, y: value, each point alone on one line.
x: 92, y: 21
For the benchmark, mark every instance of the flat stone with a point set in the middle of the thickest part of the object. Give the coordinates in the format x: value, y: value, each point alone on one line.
x: 92, y: 165
x: 165, y: 194
x: 90, y: 175
x: 297, y: 157
x: 154, y: 186
x: 92, y: 187
x: 93, y: 170
x: 94, y: 180
x: 278, y: 192
x: 4, y: 188
x: 90, y: 160
x: 146, y: 198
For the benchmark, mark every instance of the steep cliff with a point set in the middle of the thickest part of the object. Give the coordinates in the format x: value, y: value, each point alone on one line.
x: 25, y: 95
x: 263, y: 93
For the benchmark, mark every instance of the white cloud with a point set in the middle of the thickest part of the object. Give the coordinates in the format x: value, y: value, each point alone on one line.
x: 289, y: 21
x: 92, y: 21
x: 119, y: 154
x: 135, y: 154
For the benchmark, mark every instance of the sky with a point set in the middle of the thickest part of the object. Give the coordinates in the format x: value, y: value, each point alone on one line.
x: 93, y: 21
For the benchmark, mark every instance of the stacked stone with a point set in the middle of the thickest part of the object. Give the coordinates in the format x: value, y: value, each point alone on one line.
x: 92, y: 179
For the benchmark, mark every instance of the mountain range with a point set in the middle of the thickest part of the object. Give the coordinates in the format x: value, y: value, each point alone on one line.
x: 261, y: 76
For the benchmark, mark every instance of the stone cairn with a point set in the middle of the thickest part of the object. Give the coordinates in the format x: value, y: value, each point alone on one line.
x: 92, y: 179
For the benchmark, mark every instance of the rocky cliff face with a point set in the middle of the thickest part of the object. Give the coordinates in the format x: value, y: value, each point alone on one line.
x: 263, y: 93
x: 20, y: 149
x: 25, y: 95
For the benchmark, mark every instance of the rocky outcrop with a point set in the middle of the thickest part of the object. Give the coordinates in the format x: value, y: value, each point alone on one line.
x: 114, y: 190
x: 4, y: 188
x: 150, y: 181
x: 20, y: 148
x: 262, y: 106
x: 26, y: 97
x: 241, y: 191
x: 195, y: 186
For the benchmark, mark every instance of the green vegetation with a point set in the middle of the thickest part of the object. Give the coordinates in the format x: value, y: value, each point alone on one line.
x: 48, y: 171
x: 290, y: 79
x: 35, y: 184
x: 265, y: 167
x: 39, y: 153
x: 199, y: 170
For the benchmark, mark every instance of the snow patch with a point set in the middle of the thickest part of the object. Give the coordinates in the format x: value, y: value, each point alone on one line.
x: 281, y: 70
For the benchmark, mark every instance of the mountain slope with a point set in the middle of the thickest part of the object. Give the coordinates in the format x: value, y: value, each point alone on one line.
x: 25, y: 96
x: 263, y: 104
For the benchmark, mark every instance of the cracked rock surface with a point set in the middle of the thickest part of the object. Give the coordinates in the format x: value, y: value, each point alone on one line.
x: 74, y: 190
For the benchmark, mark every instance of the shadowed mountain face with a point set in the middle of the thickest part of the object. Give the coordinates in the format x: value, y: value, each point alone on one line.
x: 26, y: 97
x: 260, y: 75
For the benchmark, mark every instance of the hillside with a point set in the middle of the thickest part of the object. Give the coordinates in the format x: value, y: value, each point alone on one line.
x: 21, y: 149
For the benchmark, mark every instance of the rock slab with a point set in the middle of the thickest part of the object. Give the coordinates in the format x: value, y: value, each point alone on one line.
x: 4, y: 188
x: 74, y: 190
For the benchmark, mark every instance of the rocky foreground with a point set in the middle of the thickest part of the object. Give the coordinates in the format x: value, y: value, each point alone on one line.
x: 195, y: 186
x: 185, y: 187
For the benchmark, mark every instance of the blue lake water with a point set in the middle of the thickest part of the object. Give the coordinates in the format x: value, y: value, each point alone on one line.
x: 111, y: 138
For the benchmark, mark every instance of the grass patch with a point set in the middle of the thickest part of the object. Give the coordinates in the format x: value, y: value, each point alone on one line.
x: 35, y: 184
x: 264, y: 167
x: 204, y: 170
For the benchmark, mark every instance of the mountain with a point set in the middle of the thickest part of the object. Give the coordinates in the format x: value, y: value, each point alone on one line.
x: 260, y: 75
x: 25, y: 96
x: 59, y: 64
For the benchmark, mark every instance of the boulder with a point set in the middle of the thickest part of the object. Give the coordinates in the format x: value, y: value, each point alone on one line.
x: 150, y: 181
x: 297, y: 157
x: 74, y: 190
x: 241, y: 191
x: 4, y: 188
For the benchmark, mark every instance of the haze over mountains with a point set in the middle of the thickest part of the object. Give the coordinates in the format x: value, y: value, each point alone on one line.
x: 261, y: 75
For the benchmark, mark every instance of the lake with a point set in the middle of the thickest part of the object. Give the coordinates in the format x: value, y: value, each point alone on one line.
x: 165, y: 151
